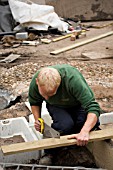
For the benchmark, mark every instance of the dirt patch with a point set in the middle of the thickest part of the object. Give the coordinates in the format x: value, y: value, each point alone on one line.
x: 11, y: 140
x: 17, y: 110
x: 74, y: 156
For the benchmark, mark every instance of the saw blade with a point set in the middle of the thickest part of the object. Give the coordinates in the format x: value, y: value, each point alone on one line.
x: 49, y: 132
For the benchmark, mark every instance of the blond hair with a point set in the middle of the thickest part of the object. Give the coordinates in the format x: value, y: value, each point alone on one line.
x: 49, y: 78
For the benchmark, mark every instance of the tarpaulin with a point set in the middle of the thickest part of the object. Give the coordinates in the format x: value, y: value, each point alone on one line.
x: 6, y: 18
x: 39, y: 17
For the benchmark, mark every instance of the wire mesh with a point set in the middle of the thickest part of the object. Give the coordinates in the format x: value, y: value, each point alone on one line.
x: 12, y: 166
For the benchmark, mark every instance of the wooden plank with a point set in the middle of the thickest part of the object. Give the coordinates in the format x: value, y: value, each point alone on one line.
x: 92, y: 55
x: 10, y: 58
x: 62, y: 37
x: 54, y: 142
x: 70, y: 47
x: 97, y: 26
x: 102, y: 26
x: 76, y: 32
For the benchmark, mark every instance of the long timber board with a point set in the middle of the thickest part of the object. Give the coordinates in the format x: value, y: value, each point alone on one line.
x: 54, y: 142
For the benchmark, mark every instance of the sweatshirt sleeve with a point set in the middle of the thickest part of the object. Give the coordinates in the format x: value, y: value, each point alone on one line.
x: 35, y: 99
x: 84, y: 95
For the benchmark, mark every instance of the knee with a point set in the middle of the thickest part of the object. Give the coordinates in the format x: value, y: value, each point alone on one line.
x: 65, y: 128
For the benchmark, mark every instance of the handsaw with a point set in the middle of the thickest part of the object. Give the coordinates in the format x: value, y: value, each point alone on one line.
x: 46, y: 130
x: 49, y: 132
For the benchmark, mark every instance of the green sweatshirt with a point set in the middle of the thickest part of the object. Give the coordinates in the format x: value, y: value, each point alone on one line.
x: 73, y: 91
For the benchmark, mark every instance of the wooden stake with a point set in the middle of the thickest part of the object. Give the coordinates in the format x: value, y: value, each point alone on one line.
x: 81, y: 43
x: 54, y: 142
x: 62, y: 37
x: 68, y: 35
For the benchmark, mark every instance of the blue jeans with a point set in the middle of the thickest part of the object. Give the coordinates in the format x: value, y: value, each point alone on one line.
x: 67, y: 120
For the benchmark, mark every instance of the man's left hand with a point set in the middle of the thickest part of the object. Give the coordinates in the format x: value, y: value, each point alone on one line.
x: 82, y: 138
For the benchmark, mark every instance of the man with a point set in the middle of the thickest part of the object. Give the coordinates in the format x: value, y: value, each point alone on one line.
x: 70, y: 103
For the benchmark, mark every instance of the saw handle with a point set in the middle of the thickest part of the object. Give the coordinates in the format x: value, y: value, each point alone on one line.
x: 42, y: 124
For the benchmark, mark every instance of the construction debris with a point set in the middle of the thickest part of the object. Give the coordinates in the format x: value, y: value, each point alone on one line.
x: 45, y: 40
x: 10, y: 58
x: 30, y: 43
x: 6, y: 98
x: 22, y: 35
x: 39, y: 17
x: 81, y: 43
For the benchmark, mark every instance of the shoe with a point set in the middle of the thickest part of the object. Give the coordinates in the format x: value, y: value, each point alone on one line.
x: 46, y: 159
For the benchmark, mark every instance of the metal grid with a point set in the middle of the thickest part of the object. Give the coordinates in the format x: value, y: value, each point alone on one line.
x: 12, y: 166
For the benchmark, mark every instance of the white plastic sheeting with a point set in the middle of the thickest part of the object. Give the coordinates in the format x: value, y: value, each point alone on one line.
x: 39, y: 17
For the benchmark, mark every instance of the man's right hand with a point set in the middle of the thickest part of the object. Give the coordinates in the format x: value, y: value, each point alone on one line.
x: 37, y: 125
x: 36, y: 110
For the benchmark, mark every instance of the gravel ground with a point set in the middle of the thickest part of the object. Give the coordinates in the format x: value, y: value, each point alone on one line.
x: 16, y: 76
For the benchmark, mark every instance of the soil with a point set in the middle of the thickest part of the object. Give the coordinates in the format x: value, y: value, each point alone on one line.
x: 11, y: 140
x: 16, y: 76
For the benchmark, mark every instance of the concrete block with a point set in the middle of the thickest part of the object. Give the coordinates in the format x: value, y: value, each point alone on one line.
x: 14, y: 127
x: 106, y: 118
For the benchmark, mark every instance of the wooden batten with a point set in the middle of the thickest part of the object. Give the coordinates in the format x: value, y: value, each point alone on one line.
x: 54, y: 142
x: 81, y: 43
